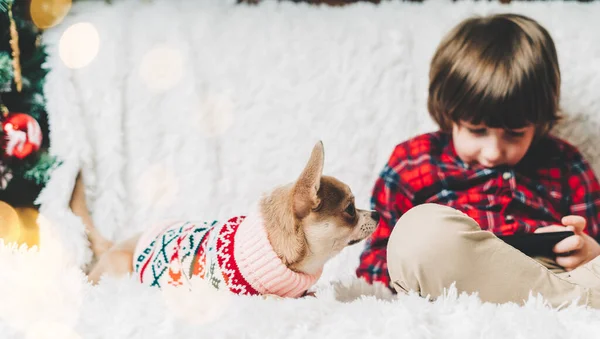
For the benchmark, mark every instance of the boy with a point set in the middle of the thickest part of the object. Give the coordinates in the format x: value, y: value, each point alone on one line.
x: 491, y: 169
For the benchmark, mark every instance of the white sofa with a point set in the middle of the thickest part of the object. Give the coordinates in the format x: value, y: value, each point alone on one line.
x: 232, y: 109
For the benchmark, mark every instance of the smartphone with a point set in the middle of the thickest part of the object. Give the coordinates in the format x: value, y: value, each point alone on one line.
x: 536, y: 244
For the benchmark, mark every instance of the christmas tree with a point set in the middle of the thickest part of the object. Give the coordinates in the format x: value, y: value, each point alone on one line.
x: 25, y: 164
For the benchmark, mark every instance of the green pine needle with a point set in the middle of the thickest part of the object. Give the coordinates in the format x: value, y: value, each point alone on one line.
x: 5, y: 4
x: 6, y: 68
x: 41, y: 171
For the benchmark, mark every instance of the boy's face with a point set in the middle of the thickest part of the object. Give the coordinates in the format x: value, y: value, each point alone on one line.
x: 491, y: 147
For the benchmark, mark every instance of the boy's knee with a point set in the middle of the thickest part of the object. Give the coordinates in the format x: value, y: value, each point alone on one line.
x: 425, y: 239
x: 425, y: 224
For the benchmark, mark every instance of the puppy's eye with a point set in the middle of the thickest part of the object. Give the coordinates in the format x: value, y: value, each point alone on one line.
x: 350, y: 210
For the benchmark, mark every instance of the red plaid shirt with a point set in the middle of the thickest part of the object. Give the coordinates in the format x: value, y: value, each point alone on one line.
x: 551, y: 181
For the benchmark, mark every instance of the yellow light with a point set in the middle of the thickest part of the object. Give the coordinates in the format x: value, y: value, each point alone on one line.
x: 79, y: 45
x: 10, y: 224
x: 48, y: 13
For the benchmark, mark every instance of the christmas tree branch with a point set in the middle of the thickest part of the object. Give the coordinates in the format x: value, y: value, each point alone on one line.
x: 6, y: 70
x: 5, y: 5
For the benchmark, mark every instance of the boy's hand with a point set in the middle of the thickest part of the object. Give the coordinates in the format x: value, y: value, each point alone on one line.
x: 581, y: 247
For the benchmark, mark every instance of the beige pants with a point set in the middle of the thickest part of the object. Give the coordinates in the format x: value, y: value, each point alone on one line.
x: 433, y: 246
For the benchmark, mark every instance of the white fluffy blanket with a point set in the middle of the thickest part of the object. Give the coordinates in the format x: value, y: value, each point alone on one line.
x: 191, y: 109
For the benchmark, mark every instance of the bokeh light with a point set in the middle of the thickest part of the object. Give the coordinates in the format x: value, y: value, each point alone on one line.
x: 79, y: 45
x: 215, y: 115
x: 10, y: 225
x: 158, y: 186
x: 162, y: 68
x: 48, y: 13
x: 50, y: 330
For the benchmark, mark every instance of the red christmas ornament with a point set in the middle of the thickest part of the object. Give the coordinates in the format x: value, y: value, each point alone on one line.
x: 22, y: 135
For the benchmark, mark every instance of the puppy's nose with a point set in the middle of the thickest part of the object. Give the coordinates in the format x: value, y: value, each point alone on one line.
x: 375, y: 216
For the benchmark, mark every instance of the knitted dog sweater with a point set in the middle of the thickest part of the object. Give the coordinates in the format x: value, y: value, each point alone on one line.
x: 236, y: 255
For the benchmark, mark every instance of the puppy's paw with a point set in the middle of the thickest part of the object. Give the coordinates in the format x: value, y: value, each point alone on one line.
x: 271, y: 297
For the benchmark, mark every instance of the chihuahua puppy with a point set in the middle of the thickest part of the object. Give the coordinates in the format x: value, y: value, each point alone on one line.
x: 279, y: 248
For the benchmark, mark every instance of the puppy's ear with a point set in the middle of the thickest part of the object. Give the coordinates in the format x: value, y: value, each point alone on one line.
x: 305, y: 190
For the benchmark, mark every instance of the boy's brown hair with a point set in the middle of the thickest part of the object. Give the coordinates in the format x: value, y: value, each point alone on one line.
x: 500, y: 70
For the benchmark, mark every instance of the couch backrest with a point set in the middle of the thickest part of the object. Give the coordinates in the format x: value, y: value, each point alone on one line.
x: 192, y: 109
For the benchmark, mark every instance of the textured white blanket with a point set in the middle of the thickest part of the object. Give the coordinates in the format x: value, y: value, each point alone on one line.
x: 191, y: 109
